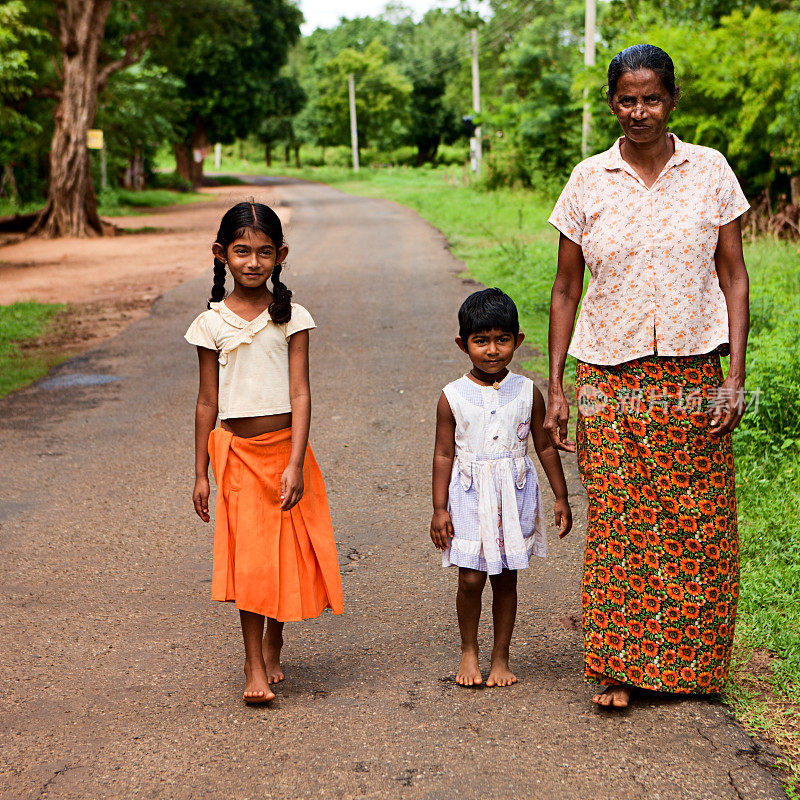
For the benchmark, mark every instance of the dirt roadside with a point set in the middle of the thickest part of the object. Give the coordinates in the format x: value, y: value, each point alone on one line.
x: 110, y: 282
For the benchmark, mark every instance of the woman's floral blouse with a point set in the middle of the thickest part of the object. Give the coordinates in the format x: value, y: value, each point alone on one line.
x: 653, y: 287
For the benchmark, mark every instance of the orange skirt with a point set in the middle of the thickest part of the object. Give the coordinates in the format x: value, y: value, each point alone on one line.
x: 281, y: 564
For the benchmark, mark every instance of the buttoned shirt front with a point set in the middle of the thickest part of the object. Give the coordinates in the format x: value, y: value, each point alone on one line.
x: 653, y: 285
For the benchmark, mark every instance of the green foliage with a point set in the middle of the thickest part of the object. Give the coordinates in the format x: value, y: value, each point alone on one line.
x: 382, y: 97
x: 538, y: 116
x: 432, y: 55
x: 226, y: 62
x: 18, y: 78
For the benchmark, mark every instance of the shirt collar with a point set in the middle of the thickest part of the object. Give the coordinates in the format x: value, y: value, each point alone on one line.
x: 614, y: 159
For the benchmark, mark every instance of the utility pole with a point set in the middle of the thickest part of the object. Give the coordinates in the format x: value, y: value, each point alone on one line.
x: 476, y: 145
x: 588, y: 60
x: 351, y: 83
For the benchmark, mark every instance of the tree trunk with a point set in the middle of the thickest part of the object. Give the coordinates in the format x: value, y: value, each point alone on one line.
x: 295, y: 145
x: 187, y: 164
x: 183, y: 161
x: 71, y: 208
x: 8, y: 183
x: 268, y: 153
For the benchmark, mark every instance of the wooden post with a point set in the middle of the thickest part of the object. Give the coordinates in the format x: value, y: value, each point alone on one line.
x: 588, y: 60
x: 351, y: 84
x: 477, y: 143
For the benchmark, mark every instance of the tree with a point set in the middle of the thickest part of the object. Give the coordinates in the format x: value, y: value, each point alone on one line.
x: 228, y: 78
x: 141, y: 108
x: 16, y: 84
x: 382, y: 97
x: 287, y: 99
x: 71, y: 208
x: 431, y: 54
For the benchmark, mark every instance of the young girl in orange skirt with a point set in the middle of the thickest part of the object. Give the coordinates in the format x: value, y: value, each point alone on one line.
x: 274, y: 553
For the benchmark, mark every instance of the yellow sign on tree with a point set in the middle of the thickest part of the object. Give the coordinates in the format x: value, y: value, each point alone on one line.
x: 94, y: 139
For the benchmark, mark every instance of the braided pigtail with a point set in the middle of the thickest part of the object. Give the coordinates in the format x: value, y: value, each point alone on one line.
x: 218, y: 287
x: 280, y: 309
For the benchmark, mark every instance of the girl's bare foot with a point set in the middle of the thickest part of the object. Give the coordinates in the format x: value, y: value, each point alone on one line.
x: 469, y: 674
x: 613, y: 697
x: 272, y: 659
x: 256, y: 689
x: 500, y: 674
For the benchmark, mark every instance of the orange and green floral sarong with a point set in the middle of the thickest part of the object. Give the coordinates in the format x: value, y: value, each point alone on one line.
x: 661, y: 577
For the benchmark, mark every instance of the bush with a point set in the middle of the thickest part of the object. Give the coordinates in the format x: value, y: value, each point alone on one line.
x: 170, y: 180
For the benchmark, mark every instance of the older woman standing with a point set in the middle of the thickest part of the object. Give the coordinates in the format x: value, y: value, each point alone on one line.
x: 656, y: 221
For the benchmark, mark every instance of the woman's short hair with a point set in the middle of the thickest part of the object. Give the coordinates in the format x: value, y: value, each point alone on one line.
x: 642, y: 56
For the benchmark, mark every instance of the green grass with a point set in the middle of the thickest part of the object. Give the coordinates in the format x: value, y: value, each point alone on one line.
x: 117, y: 202
x: 125, y: 203
x: 20, y: 322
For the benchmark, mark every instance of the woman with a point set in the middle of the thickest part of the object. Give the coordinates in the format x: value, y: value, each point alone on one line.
x: 656, y: 221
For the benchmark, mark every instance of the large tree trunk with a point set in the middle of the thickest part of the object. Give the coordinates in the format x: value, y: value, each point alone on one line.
x: 71, y: 208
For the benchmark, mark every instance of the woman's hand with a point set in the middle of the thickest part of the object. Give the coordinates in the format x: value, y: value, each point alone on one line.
x: 291, y: 487
x: 200, y: 497
x: 441, y: 529
x: 563, y: 516
x: 728, y: 406
x: 556, y: 419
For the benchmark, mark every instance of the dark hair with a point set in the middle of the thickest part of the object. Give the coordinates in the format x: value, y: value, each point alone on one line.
x: 234, y: 223
x: 642, y: 56
x: 485, y: 310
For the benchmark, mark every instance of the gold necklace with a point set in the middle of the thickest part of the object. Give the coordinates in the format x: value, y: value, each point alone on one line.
x: 495, y: 385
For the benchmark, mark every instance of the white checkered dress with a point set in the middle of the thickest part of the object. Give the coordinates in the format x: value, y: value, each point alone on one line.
x: 494, y: 496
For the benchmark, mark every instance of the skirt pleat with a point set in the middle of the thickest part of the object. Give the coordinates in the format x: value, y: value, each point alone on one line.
x: 282, y: 564
x: 661, y: 568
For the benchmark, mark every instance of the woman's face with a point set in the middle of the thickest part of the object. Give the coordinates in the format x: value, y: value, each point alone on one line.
x: 642, y: 105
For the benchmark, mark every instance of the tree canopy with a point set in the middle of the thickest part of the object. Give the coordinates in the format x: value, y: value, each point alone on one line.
x: 190, y: 75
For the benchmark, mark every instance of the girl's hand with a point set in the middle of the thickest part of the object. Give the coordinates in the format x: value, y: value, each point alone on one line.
x: 728, y: 406
x: 556, y: 419
x: 200, y: 497
x: 563, y: 517
x: 291, y: 487
x: 441, y: 529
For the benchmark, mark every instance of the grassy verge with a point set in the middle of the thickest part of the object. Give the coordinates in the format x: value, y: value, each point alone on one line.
x: 125, y: 203
x: 21, y: 323
x: 504, y: 240
x: 117, y: 202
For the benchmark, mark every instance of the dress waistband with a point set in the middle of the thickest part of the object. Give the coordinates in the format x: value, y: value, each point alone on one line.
x: 468, y: 456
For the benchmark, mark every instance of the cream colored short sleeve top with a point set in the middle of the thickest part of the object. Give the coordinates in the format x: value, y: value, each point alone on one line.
x: 650, y: 253
x: 253, y: 358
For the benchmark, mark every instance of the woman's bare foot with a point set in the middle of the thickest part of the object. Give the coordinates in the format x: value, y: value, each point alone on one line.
x: 469, y: 673
x: 272, y: 658
x: 256, y: 689
x: 613, y: 697
x: 500, y: 674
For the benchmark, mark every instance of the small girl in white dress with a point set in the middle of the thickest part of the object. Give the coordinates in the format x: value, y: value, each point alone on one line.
x: 486, y: 500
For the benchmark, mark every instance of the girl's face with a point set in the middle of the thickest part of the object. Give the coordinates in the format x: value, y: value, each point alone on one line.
x: 642, y: 104
x: 491, y: 351
x: 251, y: 259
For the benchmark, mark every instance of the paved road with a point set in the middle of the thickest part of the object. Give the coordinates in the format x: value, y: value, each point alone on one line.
x: 121, y: 679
